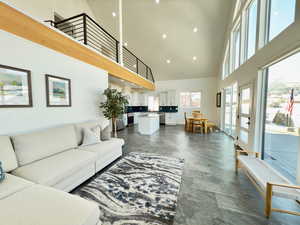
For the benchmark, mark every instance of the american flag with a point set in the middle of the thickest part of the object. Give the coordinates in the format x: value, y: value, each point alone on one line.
x: 291, y: 103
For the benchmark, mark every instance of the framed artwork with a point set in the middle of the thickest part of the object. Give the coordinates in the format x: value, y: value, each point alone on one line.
x: 219, y: 99
x: 58, y: 91
x: 15, y: 87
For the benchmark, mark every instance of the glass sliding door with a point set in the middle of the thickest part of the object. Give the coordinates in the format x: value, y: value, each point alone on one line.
x: 245, y: 114
x: 231, y: 104
x: 234, y: 108
x: 228, y: 117
x: 282, y: 117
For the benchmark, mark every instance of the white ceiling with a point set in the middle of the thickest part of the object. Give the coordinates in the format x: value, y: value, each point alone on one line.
x: 145, y: 22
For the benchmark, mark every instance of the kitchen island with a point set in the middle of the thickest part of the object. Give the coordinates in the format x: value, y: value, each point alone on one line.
x: 148, y: 124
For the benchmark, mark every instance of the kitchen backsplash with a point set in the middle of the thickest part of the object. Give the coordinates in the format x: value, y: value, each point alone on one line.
x: 167, y: 109
x: 133, y: 109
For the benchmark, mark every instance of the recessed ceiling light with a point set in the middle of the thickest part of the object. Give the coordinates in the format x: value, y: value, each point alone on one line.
x: 194, y: 58
x: 125, y: 44
x: 164, y: 36
x: 195, y: 30
x: 114, y: 14
x: 157, y: 1
x: 168, y: 61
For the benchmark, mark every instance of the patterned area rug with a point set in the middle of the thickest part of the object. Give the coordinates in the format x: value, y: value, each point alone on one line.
x: 139, y: 189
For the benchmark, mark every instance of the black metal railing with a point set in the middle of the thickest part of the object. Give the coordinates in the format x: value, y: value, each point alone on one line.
x: 86, y: 30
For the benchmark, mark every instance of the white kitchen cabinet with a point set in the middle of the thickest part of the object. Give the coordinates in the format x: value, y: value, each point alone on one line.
x: 163, y: 98
x: 171, y: 118
x: 125, y: 121
x: 135, y: 99
x: 143, y: 99
x: 171, y: 98
x: 136, y: 117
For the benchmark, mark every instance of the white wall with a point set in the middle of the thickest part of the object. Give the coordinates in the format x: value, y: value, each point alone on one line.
x: 88, y: 83
x: 45, y: 9
x: 208, y: 87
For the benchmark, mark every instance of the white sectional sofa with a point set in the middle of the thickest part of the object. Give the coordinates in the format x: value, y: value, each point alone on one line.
x: 41, y: 167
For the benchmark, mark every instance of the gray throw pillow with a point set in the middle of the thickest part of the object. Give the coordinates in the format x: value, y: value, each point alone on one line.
x: 91, y: 136
x: 2, y: 174
x: 105, y: 134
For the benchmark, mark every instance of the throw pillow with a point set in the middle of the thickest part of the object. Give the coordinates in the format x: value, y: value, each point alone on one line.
x: 91, y: 136
x: 105, y: 134
x: 2, y: 174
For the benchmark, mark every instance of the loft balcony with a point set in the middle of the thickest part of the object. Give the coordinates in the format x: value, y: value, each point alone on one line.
x: 85, y: 41
x: 87, y: 31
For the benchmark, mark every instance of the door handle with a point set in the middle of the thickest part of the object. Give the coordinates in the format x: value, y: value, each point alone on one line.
x: 248, y: 121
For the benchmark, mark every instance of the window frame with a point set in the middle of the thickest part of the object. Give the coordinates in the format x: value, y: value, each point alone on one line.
x: 190, y: 106
x: 226, y: 62
x: 246, y: 16
x: 268, y: 21
x: 237, y: 27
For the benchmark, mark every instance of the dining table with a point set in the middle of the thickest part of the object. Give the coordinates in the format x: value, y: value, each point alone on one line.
x: 203, y: 120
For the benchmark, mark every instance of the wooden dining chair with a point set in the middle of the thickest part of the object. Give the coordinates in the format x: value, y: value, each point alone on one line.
x: 197, y: 115
x: 197, y: 124
x: 187, y: 123
x: 211, y: 126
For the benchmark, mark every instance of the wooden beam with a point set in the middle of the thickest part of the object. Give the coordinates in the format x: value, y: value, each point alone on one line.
x: 19, y: 24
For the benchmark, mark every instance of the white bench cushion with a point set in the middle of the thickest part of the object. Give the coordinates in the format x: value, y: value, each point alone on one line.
x: 39, y: 205
x: 12, y: 184
x: 7, y: 154
x: 41, y: 144
x: 263, y: 173
x: 52, y: 170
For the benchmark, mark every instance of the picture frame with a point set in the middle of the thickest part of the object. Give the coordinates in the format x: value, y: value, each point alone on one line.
x: 15, y: 87
x: 58, y: 91
x: 219, y: 100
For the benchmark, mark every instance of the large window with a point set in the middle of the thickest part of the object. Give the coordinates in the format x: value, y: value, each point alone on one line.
x: 190, y: 99
x: 251, y: 25
x: 282, y: 14
x: 282, y: 119
x: 226, y: 63
x: 153, y: 103
x: 236, y: 41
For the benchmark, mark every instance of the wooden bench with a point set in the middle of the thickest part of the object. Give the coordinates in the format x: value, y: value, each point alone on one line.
x: 267, y: 180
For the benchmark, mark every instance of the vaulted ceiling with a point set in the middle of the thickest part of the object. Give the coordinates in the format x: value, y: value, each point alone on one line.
x: 145, y: 22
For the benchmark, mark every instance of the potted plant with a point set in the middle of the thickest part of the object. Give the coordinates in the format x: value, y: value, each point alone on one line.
x: 113, y: 106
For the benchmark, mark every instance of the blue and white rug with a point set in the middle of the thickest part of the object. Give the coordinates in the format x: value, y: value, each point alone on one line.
x: 139, y: 189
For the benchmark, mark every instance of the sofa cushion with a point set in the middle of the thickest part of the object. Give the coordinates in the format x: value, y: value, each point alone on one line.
x: 12, y: 184
x: 39, y: 205
x: 89, y: 125
x: 52, y: 170
x: 7, y: 154
x: 105, y: 147
x: 38, y: 145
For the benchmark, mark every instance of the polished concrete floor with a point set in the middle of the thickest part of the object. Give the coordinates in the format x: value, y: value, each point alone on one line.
x: 211, y: 192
